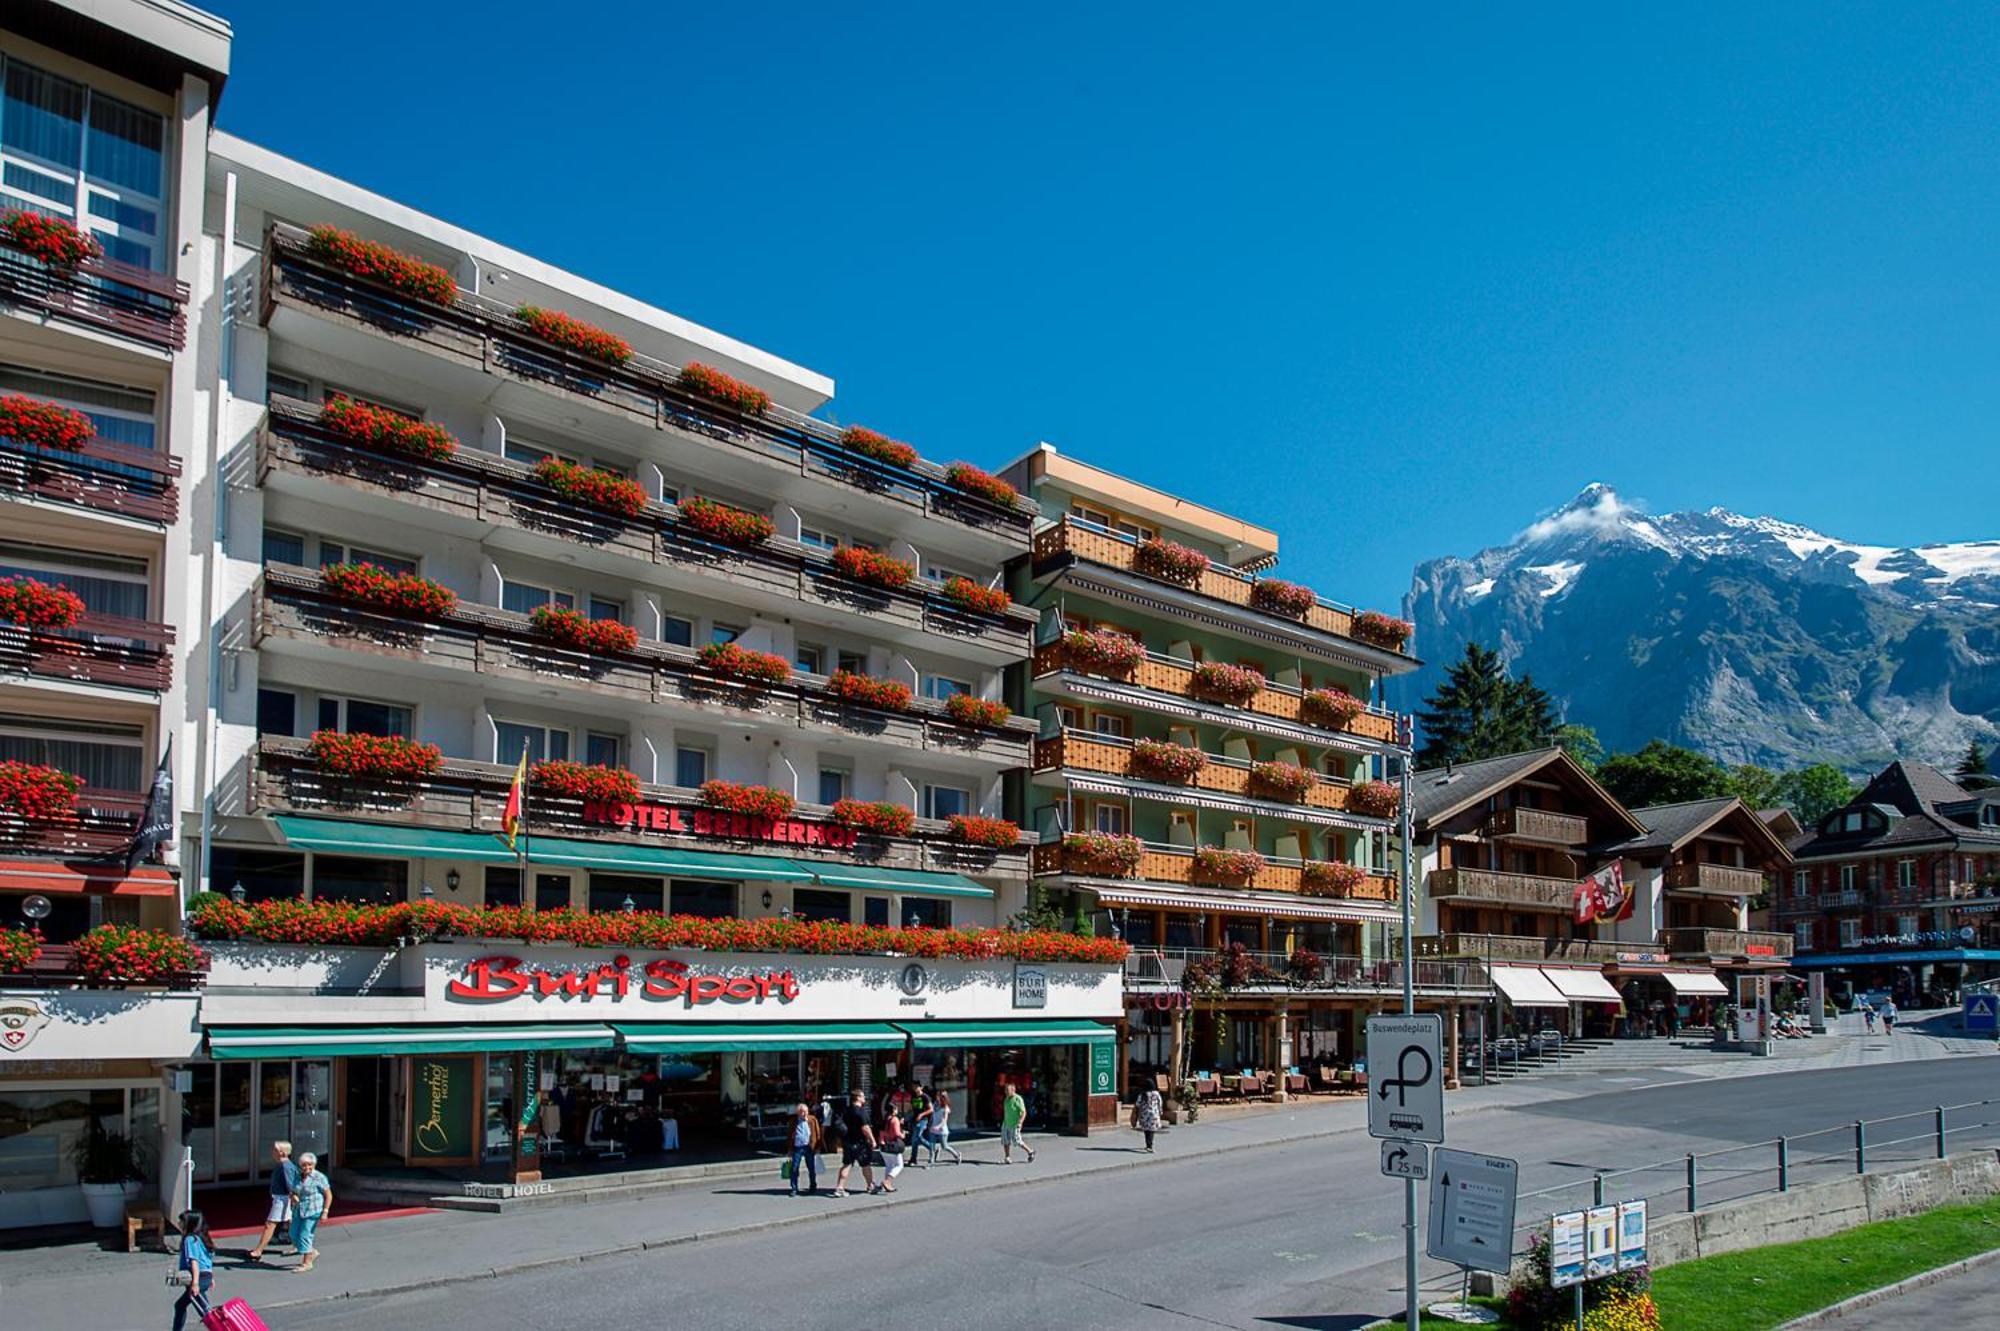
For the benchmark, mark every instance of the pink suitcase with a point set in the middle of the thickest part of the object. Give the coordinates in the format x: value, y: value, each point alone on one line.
x: 235, y: 1315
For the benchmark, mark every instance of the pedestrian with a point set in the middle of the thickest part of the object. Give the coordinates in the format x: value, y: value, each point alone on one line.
x: 312, y: 1203
x: 805, y: 1148
x: 892, y: 1149
x: 1013, y: 1113
x: 939, y: 1135
x: 1889, y: 1017
x: 920, y: 1120
x: 1867, y: 1015
x: 284, y: 1178
x: 1146, y: 1112
x: 198, y: 1260
x: 857, y: 1143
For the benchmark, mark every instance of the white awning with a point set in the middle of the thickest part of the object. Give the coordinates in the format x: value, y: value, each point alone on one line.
x: 1695, y: 982
x: 1525, y: 986
x: 1282, y: 905
x: 1581, y: 986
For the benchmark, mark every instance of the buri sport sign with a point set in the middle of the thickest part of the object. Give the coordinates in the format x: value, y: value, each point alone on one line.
x: 499, y: 979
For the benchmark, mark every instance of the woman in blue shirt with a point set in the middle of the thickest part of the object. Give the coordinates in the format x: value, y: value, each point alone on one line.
x: 198, y: 1260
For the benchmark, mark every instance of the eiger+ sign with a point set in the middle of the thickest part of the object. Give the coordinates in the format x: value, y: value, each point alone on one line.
x: 1406, y: 1077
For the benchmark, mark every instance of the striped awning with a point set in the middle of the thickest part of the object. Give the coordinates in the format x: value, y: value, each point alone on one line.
x: 1279, y: 904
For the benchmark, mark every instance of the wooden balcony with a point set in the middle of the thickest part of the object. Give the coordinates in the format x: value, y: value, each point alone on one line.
x: 470, y: 796
x: 483, y: 334
x: 1166, y: 676
x: 1081, y: 751
x: 293, y: 605
x: 493, y: 492
x: 1175, y: 865
x: 1511, y: 949
x: 1719, y: 879
x: 103, y: 822
x: 1730, y: 943
x: 1153, y: 968
x: 1511, y: 889
x: 98, y: 475
x: 55, y: 968
x: 101, y: 294
x: 107, y: 650
x: 1539, y: 826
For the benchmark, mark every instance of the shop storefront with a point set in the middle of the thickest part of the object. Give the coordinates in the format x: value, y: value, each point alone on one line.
x: 1663, y: 998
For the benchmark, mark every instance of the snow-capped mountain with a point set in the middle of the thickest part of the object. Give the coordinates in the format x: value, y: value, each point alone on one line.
x: 1751, y: 638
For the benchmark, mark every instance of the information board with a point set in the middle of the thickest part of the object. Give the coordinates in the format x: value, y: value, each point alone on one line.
x: 441, y: 1107
x: 1566, y: 1249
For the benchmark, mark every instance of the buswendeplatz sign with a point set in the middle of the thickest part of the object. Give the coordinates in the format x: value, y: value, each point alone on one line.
x: 1472, y: 1209
x: 1406, y: 1077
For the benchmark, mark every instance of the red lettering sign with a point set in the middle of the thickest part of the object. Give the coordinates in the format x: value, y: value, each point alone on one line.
x: 1760, y: 950
x: 497, y: 979
x: 712, y: 822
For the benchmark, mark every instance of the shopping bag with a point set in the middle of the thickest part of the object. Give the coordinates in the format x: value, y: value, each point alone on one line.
x: 786, y: 1170
x: 235, y: 1315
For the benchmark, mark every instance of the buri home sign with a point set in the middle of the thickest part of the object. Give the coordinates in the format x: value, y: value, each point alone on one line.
x: 716, y: 823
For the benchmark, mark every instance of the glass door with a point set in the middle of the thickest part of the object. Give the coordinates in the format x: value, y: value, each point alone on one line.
x: 312, y: 1110
x: 498, y: 1137
x: 233, y: 1100
x: 198, y: 1120
x: 274, y: 1110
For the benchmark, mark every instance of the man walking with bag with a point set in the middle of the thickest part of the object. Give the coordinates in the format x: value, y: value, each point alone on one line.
x: 857, y: 1143
x: 805, y: 1149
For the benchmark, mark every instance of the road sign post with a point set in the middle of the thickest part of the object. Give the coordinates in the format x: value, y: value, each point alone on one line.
x: 1406, y: 1077
x: 1472, y: 1209
x: 1405, y: 1159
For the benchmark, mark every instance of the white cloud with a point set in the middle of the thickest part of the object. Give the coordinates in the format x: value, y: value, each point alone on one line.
x: 1597, y: 509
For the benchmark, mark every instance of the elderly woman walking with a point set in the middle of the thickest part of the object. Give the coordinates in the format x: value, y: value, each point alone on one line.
x: 312, y: 1203
x: 1146, y: 1113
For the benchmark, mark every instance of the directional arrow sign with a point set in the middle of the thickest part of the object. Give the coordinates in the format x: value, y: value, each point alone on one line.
x: 1406, y: 1077
x: 1401, y: 1159
x: 1472, y: 1209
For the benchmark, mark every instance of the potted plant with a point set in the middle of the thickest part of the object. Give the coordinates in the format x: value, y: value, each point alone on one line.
x: 110, y: 1173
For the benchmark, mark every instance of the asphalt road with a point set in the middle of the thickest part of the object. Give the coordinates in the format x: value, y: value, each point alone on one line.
x: 1303, y: 1235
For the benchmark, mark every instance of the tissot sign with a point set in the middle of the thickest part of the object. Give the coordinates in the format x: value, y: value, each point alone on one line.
x: 716, y: 823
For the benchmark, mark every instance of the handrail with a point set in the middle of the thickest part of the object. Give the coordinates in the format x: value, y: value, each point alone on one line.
x: 1275, y: 686
x: 1218, y: 759
x: 106, y: 293
x: 1246, y: 579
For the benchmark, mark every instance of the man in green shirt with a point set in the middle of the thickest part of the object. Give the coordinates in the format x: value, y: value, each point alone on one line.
x: 1013, y: 1113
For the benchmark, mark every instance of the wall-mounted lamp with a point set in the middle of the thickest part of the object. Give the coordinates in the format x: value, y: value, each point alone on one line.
x: 767, y: 898
x: 427, y: 894
x: 630, y: 907
x: 236, y: 894
x: 451, y: 880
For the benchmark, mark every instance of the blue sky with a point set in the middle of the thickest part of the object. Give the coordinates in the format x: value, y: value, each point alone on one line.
x: 1391, y: 285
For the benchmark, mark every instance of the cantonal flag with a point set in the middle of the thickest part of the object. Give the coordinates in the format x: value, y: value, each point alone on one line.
x: 510, y: 817
x: 1603, y: 895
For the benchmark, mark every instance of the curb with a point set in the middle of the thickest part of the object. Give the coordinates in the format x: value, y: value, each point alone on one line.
x: 1869, y: 1298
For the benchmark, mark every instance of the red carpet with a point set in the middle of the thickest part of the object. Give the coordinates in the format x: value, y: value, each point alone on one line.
x: 239, y: 1212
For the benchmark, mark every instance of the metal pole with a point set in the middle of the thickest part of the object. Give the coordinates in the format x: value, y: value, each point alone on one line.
x: 1691, y: 1193
x: 1597, y: 1189
x: 1940, y: 1132
x: 1860, y: 1146
x: 1784, y: 1165
x: 1406, y: 825
x: 1579, y: 1305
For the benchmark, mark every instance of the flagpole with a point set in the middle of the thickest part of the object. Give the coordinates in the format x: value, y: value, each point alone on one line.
x: 526, y: 896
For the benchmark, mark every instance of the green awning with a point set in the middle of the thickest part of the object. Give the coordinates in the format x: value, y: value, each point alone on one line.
x: 236, y: 1042
x: 727, y: 1037
x: 396, y: 841
x: 1004, y: 1034
x: 392, y: 840
x: 911, y: 882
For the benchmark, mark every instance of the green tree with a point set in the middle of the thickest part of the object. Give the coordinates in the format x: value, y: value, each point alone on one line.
x: 1662, y: 773
x: 1973, y: 763
x: 1479, y: 712
x: 1758, y: 787
x: 1582, y: 744
x: 1815, y: 791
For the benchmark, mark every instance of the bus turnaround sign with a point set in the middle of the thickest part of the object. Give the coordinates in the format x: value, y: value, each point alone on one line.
x: 1406, y: 1077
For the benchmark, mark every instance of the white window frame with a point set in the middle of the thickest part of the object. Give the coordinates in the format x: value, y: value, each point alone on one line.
x: 561, y: 596
x: 1802, y: 935
x: 1850, y: 932
x: 818, y: 538
x: 38, y: 558
x: 1114, y: 825
x: 1906, y: 875
x: 1848, y: 877
x: 935, y: 687
x: 707, y: 760
x: 352, y: 554
x: 803, y: 650
x: 341, y: 701
x: 506, y: 755
x: 86, y: 186
x: 930, y: 793
x: 33, y: 380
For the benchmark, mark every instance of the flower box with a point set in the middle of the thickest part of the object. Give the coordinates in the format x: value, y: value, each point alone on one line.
x: 121, y: 954
x: 1231, y: 966
x: 1168, y: 562
x: 39, y: 605
x: 371, y: 260
x: 51, y: 239
x: 387, y: 431
x: 18, y: 950
x: 888, y: 695
x: 573, y: 334
x: 737, y: 526
x: 1218, y: 681
x: 573, y: 628
x: 586, y: 781
x: 711, y: 383
x: 384, y: 757
x: 1330, y: 878
x: 964, y: 476
x: 1374, y: 799
x: 1103, y: 651
x: 872, y: 444
x: 37, y: 424
x: 1161, y: 760
x: 1282, y: 598
x: 758, y: 801
x: 976, y: 596
x: 401, y: 593
x: 1303, y: 967
x: 970, y: 711
x: 600, y: 489
x: 877, y: 816
x: 872, y: 567
x: 1106, y: 854
x: 734, y: 661
x: 992, y: 833
x: 1213, y: 864
x: 1330, y: 709
x: 37, y: 792
x: 1380, y: 630
x: 1283, y: 781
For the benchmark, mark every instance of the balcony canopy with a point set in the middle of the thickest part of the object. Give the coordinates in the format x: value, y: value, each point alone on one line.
x: 911, y: 882
x: 1695, y: 983
x: 732, y: 1037
x: 1526, y: 986
x: 241, y: 1042
x: 1580, y: 985
x: 1004, y: 1034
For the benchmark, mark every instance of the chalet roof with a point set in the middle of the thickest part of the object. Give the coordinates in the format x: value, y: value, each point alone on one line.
x: 1439, y: 793
x: 1910, y: 788
x: 1671, y: 826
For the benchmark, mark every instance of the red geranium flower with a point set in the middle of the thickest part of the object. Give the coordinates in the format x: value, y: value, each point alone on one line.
x: 376, y: 262
x: 38, y: 424
x: 565, y: 330
x: 51, y: 239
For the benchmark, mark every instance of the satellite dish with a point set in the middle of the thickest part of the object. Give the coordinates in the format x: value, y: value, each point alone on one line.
x: 36, y: 907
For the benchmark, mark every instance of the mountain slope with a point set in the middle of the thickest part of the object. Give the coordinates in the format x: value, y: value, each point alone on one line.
x: 1751, y: 639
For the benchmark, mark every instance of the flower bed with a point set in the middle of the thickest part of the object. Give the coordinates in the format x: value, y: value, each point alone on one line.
x: 1103, y: 651
x: 594, y: 486
x: 120, y: 954
x: 385, y: 757
x: 38, y: 424
x: 1374, y: 799
x: 993, y: 833
x: 977, y: 596
x: 50, y: 239
x: 585, y: 781
x: 1214, y: 864
x: 404, y: 273
x: 737, y: 526
x: 877, y: 816
x: 1169, y: 562
x: 1284, y: 781
x: 1282, y: 598
x: 734, y: 661
x: 1218, y: 681
x: 1331, y: 709
x: 573, y: 628
x: 1330, y: 878
x: 964, y: 476
x: 39, y: 605
x: 18, y: 950
x: 1380, y: 630
x: 1162, y: 760
x: 970, y: 711
x: 872, y: 444
x: 402, y: 593
x: 872, y: 567
x: 1107, y: 854
x: 758, y: 801
x: 337, y: 924
x: 37, y: 792
x: 386, y: 430
x: 711, y: 383
x: 867, y: 691
x: 573, y: 334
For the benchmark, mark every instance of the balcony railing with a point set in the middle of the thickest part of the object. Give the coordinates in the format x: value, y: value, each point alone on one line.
x: 1510, y: 948
x: 103, y: 294
x: 490, y: 490
x: 1069, y: 538
x: 98, y: 475
x: 1726, y: 943
x: 1850, y: 897
x: 468, y: 796
x: 55, y: 968
x: 1722, y: 879
x: 484, y: 640
x: 1084, y: 751
x: 1167, y: 675
x: 1152, y: 967
x: 1537, y: 825
x: 484, y: 333
x: 98, y: 649
x: 1513, y: 889
x: 103, y: 823
x: 1176, y: 864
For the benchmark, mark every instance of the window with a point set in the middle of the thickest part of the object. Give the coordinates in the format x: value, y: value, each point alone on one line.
x: 832, y: 785
x: 102, y: 754
x: 1096, y: 517
x: 120, y: 415
x: 334, y: 552
x: 1906, y: 924
x: 1109, y: 818
x: 875, y: 912
x: 926, y: 913
x: 359, y: 716
x: 709, y: 900
x: 808, y: 658
x: 817, y: 539
x: 941, y: 687
x: 1850, y: 822
x: 503, y: 888
x: 266, y: 875
x: 70, y: 151
x: 283, y: 547
x: 854, y: 662
x: 719, y: 633
x: 602, y: 750
x: 939, y: 573
x: 1106, y: 724
x: 1802, y: 935
x: 108, y: 584
x: 677, y: 631
x: 814, y: 903
x: 1069, y: 716
x: 600, y: 608
x: 524, y: 598
x: 544, y: 743
x: 283, y: 383
x: 1850, y: 932
x: 277, y: 711
x: 944, y: 801
x: 358, y: 881
x: 1906, y: 878
x: 1801, y: 882
x: 1847, y: 878
x: 551, y: 891
x: 670, y: 493
x: 610, y: 891
x: 527, y: 454
x: 1138, y: 531
x: 690, y: 767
